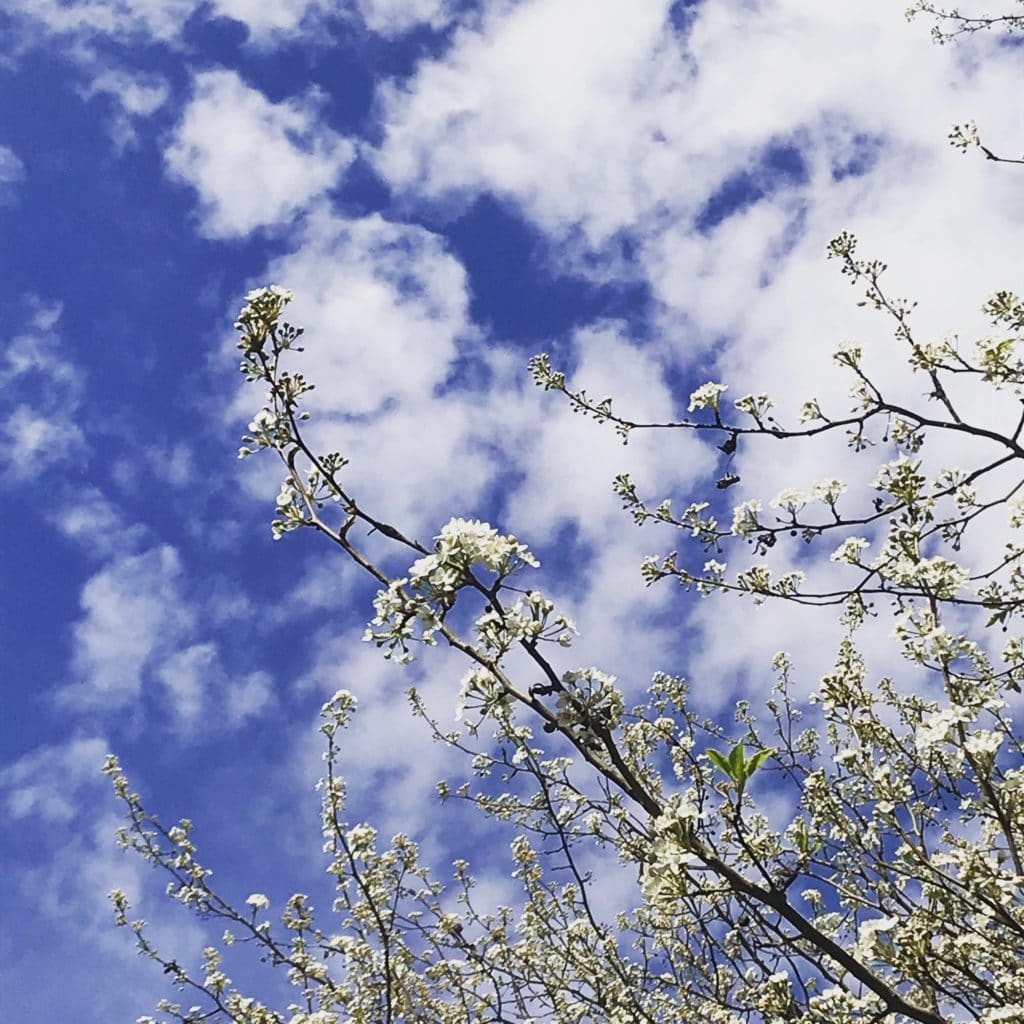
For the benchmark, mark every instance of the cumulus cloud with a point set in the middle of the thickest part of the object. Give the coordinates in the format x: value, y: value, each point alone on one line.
x: 728, y: 153
x: 268, y: 26
x: 778, y: 114
x: 532, y: 107
x: 253, y: 163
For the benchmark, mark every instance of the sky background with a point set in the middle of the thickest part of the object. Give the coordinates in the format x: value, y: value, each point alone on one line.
x: 644, y: 189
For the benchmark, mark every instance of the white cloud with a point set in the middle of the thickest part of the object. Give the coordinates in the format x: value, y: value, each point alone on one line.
x: 188, y: 674
x: 385, y: 308
x: 393, y: 17
x: 12, y: 173
x: 48, y: 782
x: 87, y: 21
x: 595, y: 115
x: 174, y: 464
x: 202, y: 695
x: 548, y: 103
x: 596, y: 119
x: 35, y: 442
x: 125, y: 19
x: 374, y: 296
x: 253, y: 163
x: 132, y: 610
x: 248, y: 697
x: 90, y: 518
x: 267, y: 25
x: 140, y: 636
x: 272, y: 23
x: 40, y: 431
x: 169, y: 462
x: 134, y: 96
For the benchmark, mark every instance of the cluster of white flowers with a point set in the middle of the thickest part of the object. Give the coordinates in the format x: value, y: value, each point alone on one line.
x: 984, y: 744
x: 257, y: 901
x: 435, y: 579
x: 480, y: 690
x: 588, y: 700
x: 758, y: 581
x: 713, y: 577
x: 744, y: 517
x: 847, y: 354
x: 462, y: 544
x: 707, y: 396
x: 529, y: 618
x: 903, y: 479
x: 405, y: 618
x: 828, y: 490
x: 793, y: 499
x: 756, y: 406
x: 850, y: 550
x: 262, y: 309
x: 338, y: 711
x: 936, y: 575
x: 1003, y: 1014
x: 266, y: 430
x: 699, y: 525
x: 936, y: 726
x: 670, y: 856
x: 1000, y: 360
x: 810, y: 411
x: 314, y: 1017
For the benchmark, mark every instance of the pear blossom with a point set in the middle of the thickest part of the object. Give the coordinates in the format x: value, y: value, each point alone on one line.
x: 706, y: 396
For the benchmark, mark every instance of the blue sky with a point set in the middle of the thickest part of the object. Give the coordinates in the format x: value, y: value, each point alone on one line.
x: 644, y: 189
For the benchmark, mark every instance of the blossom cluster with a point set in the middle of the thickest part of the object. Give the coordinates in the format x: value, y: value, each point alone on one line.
x: 412, y: 608
x: 461, y: 545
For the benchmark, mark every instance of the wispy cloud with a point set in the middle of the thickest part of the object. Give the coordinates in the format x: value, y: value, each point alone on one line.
x: 132, y: 96
x: 88, y: 22
x: 41, y: 393
x: 12, y: 173
x: 141, y: 642
x: 393, y: 17
x: 47, y: 783
x: 133, y: 611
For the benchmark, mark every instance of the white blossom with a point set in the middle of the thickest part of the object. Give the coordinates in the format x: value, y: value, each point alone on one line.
x: 744, y: 517
x: 850, y: 550
x: 706, y: 396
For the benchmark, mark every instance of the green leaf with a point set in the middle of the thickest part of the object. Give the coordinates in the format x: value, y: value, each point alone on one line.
x: 720, y: 761
x: 756, y: 760
x: 736, y: 762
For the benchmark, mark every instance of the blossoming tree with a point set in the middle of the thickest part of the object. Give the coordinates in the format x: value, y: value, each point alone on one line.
x: 893, y: 891
x: 896, y: 890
